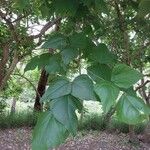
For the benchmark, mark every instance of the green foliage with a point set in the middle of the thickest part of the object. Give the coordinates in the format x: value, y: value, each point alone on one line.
x: 82, y: 88
x: 18, y: 119
x: 38, y: 61
x: 59, y: 87
x: 56, y: 41
x: 99, y: 72
x: 84, y: 27
x: 92, y: 122
x: 108, y: 94
x: 96, y: 122
x: 78, y: 40
x: 3, y: 105
x: 51, y: 63
x: 48, y: 132
x: 124, y: 77
x: 102, y: 55
x: 55, y: 65
x: 144, y: 7
x: 67, y: 7
x: 63, y: 109
x: 132, y: 110
x: 69, y: 54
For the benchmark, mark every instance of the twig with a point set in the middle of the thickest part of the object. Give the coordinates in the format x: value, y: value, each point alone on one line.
x: 142, y: 85
x: 29, y: 82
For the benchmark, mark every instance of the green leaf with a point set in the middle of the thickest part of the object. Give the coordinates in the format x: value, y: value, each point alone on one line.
x: 69, y: 54
x: 130, y: 91
x: 55, y: 41
x: 101, y: 6
x: 78, y: 40
x: 124, y: 76
x: 99, y: 72
x: 38, y: 61
x: 67, y: 7
x: 56, y: 89
x: 108, y: 94
x: 48, y: 132
x: 82, y: 88
x: 54, y: 65
x: 144, y: 7
x: 102, y: 55
x: 22, y: 4
x: 132, y: 110
x: 79, y: 104
x: 63, y: 109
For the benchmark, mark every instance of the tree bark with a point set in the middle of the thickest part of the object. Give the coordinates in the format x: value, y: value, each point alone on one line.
x: 132, y: 136
x: 9, y: 71
x: 44, y: 76
x: 41, y: 90
x: 13, y: 106
x: 3, y: 62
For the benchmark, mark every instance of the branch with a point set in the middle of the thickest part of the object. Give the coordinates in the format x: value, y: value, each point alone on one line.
x: 45, y: 28
x: 29, y: 82
x: 123, y: 29
x: 19, y: 18
x: 142, y: 85
x: 147, y: 75
x: 10, y: 25
x: 10, y: 70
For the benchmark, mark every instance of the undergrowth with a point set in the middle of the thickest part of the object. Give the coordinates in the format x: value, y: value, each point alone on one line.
x: 18, y: 119
x: 90, y: 122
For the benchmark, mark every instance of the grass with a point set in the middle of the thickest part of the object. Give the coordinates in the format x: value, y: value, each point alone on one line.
x: 20, y: 119
x: 91, y: 121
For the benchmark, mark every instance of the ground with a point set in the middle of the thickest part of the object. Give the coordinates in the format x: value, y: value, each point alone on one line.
x: 20, y: 139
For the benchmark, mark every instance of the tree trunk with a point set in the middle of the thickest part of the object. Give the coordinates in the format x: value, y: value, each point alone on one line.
x: 132, y: 136
x: 13, y: 106
x: 3, y: 62
x: 146, y: 136
x: 9, y: 71
x: 41, y: 90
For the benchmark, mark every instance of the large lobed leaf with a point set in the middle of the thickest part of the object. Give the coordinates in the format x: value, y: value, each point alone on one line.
x: 48, y: 132
x: 38, y: 61
x: 124, y: 76
x: 55, y: 41
x: 82, y: 88
x: 56, y: 89
x: 54, y: 65
x: 68, y: 54
x: 132, y: 109
x: 99, y: 72
x: 108, y: 94
x: 66, y: 8
x: 102, y: 55
x: 63, y: 109
x: 78, y: 40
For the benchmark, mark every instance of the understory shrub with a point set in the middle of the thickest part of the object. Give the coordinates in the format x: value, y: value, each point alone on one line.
x: 17, y: 120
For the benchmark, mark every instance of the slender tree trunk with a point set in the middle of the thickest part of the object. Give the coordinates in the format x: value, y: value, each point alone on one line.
x: 43, y: 80
x: 41, y: 90
x: 9, y: 71
x: 132, y: 136
x: 146, y: 135
x: 3, y: 62
x: 13, y: 106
